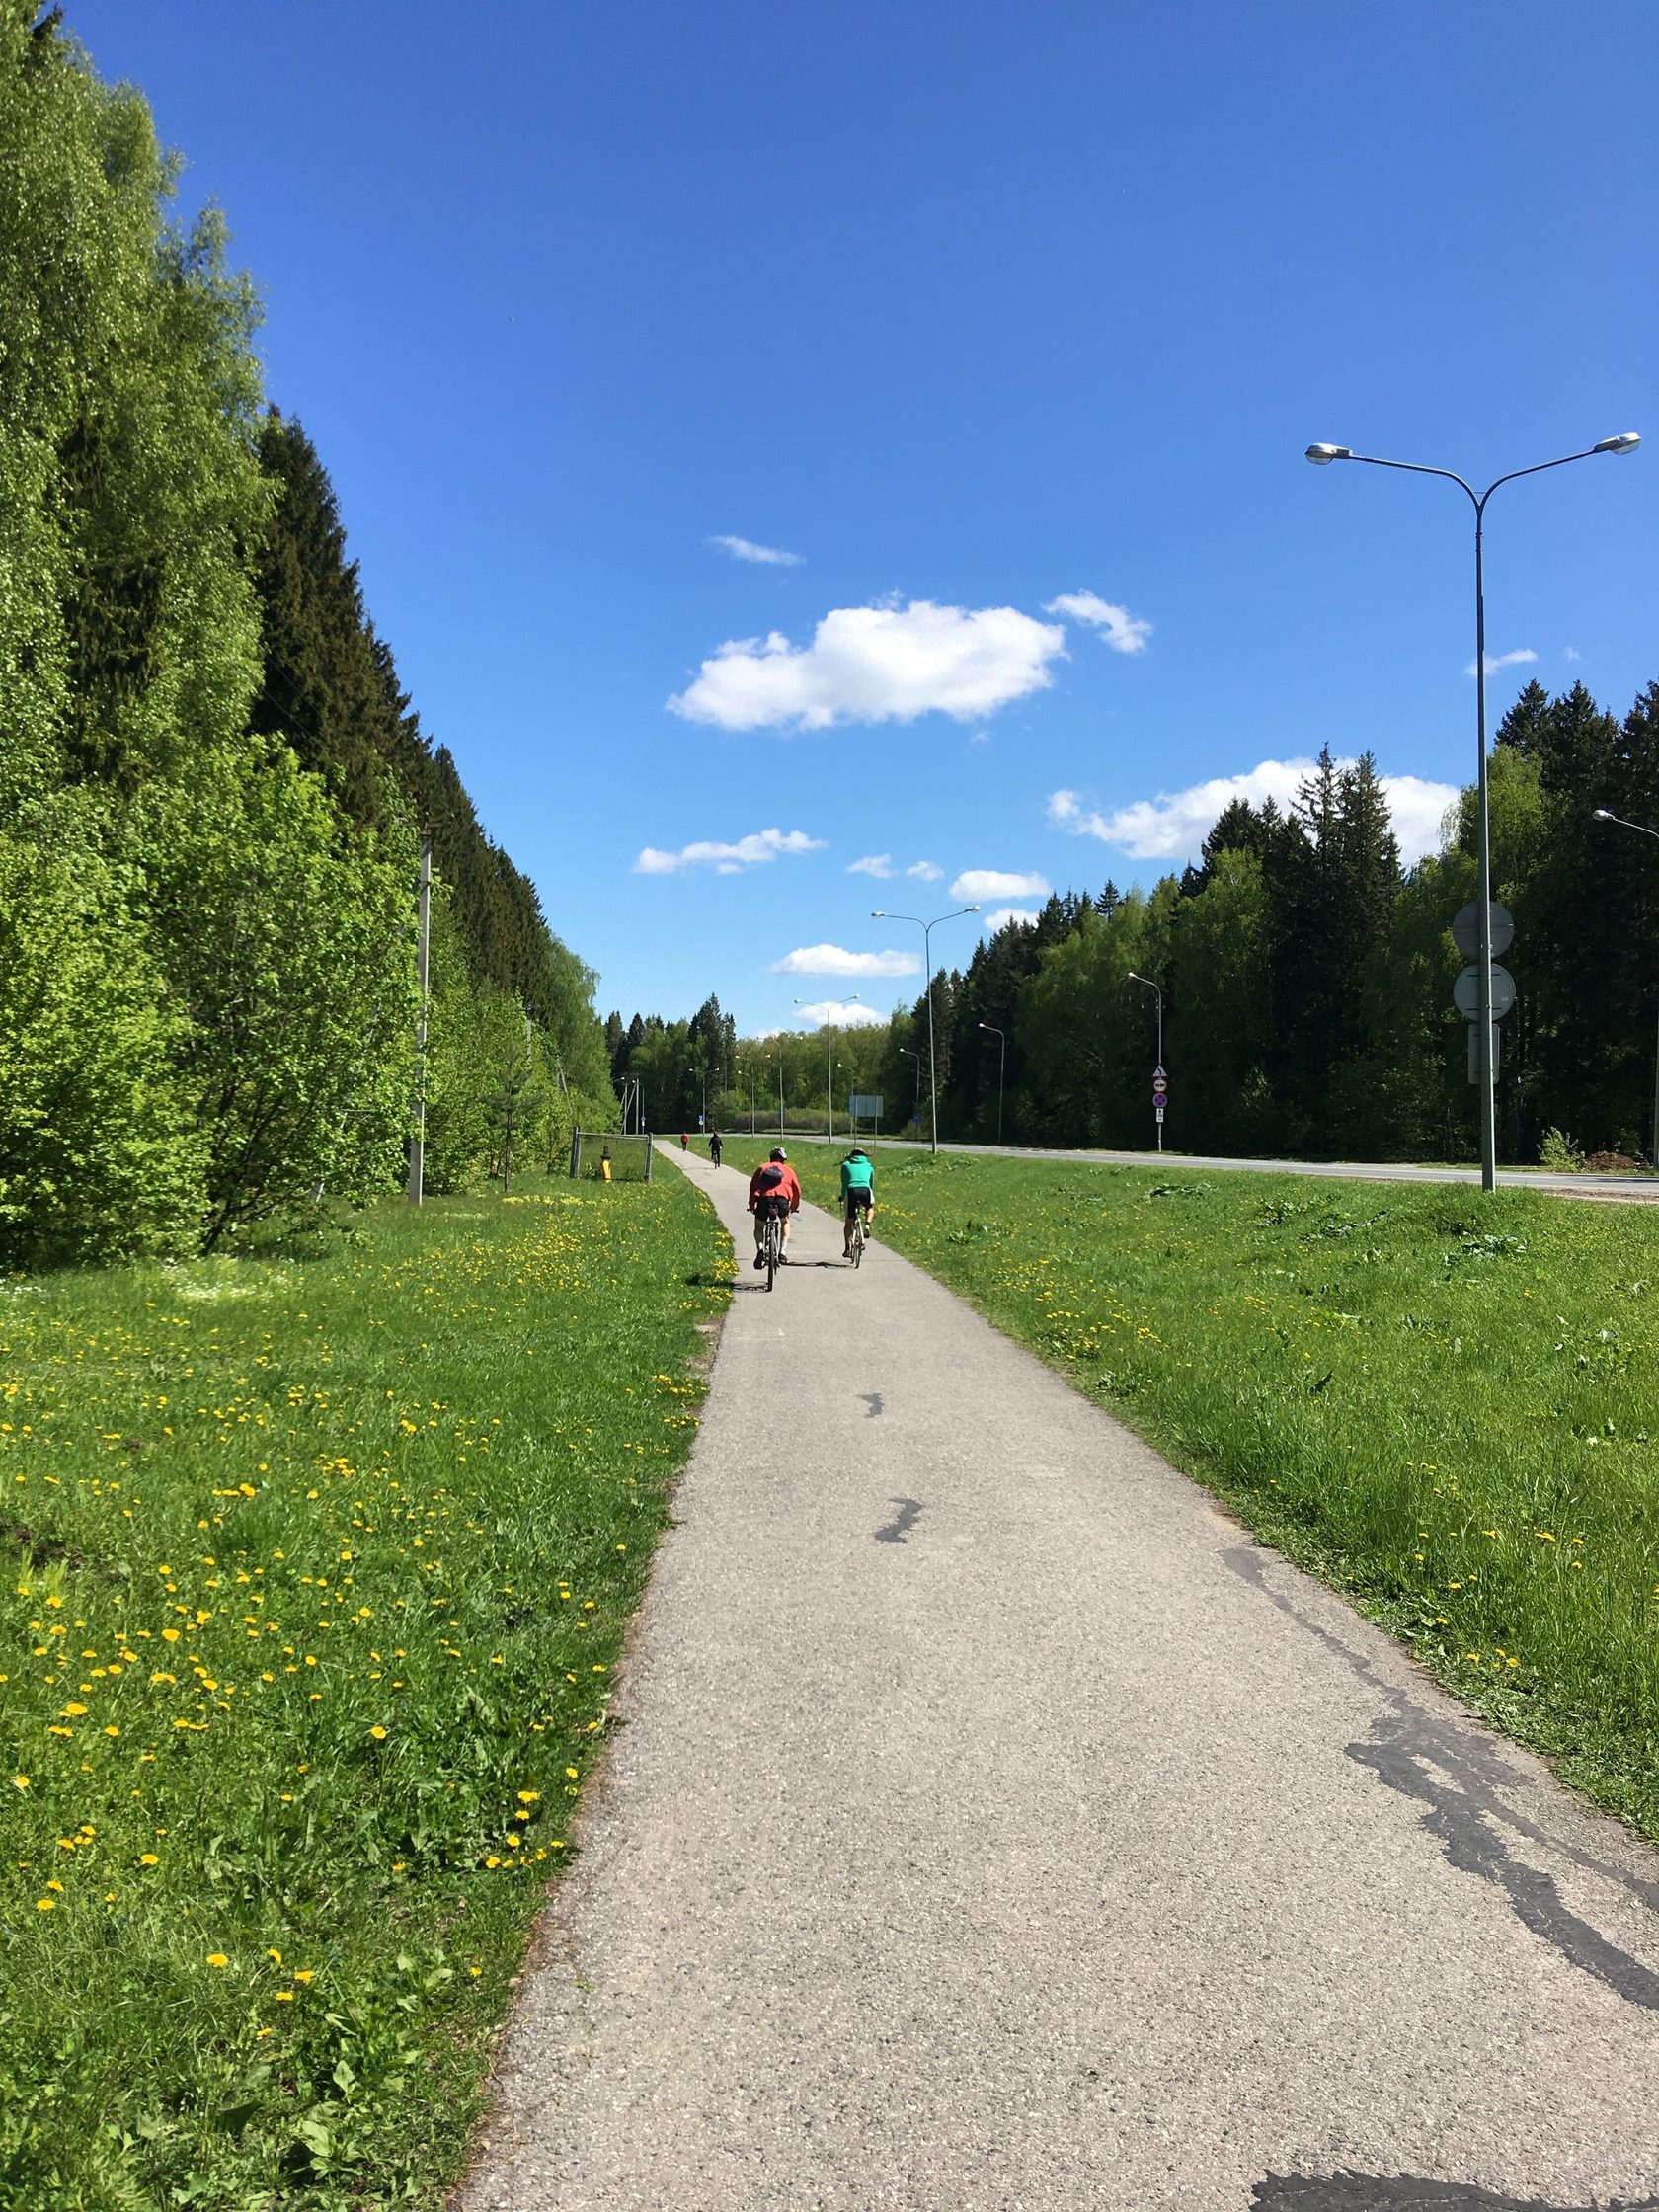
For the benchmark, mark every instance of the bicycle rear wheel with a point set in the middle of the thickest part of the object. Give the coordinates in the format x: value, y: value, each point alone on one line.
x: 858, y: 1240
x: 774, y: 1237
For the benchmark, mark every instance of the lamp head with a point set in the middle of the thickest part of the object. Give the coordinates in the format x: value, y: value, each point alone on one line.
x: 1601, y: 813
x: 973, y: 910
x: 1626, y: 443
x: 877, y: 913
x: 1322, y: 455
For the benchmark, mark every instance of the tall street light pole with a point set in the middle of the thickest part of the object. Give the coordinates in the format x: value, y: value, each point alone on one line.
x: 829, y: 1064
x: 880, y: 913
x: 906, y: 1054
x: 1602, y: 815
x: 1321, y: 456
x: 1001, y: 1071
x: 1148, y: 983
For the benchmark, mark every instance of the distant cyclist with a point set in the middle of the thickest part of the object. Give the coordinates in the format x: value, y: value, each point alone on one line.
x: 858, y: 1194
x: 714, y: 1147
x: 773, y: 1189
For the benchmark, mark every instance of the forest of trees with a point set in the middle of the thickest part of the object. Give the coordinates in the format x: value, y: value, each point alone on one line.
x: 211, y: 783
x: 1307, y: 982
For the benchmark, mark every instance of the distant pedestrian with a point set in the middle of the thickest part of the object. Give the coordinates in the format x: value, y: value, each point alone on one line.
x: 714, y: 1147
x: 684, y: 1142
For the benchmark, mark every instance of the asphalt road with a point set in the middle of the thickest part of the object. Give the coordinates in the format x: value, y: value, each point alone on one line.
x: 996, y: 1826
x: 1640, y: 1187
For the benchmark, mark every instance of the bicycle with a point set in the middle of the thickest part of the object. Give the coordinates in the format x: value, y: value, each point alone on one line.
x: 771, y: 1245
x: 859, y: 1216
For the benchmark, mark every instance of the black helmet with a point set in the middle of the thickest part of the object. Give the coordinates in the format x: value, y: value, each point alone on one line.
x: 778, y: 1153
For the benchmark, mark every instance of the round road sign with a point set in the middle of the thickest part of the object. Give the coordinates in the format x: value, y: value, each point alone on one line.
x: 1465, y: 993
x: 1466, y: 929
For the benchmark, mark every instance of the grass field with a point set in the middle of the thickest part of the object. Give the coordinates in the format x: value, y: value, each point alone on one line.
x: 314, y: 1573
x: 1445, y: 1402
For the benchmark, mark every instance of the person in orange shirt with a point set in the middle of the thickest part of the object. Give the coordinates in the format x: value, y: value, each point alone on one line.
x: 774, y: 1189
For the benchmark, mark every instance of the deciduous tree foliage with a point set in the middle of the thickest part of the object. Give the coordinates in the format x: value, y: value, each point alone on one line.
x: 211, y: 785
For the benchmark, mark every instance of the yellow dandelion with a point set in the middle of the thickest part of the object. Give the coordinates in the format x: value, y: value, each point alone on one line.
x: 217, y: 1958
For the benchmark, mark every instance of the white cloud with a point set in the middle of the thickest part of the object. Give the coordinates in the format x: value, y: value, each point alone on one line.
x: 1417, y: 811
x: 876, y: 664
x: 833, y: 960
x: 841, y: 1014
x: 1174, y: 824
x: 998, y: 883
x: 746, y: 549
x: 1571, y: 653
x: 1000, y: 917
x: 1497, y: 661
x: 1122, y: 631
x: 878, y: 865
x: 924, y: 872
x: 726, y: 860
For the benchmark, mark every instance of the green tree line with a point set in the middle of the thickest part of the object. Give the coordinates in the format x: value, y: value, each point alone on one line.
x: 211, y: 784
x: 1307, y: 980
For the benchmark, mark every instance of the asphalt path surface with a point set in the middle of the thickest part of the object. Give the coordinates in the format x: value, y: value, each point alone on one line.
x: 996, y: 1828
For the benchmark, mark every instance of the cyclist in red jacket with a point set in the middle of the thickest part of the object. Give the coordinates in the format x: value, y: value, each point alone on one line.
x: 774, y: 1189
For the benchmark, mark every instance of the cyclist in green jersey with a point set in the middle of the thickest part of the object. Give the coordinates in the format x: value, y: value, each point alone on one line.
x: 858, y: 1192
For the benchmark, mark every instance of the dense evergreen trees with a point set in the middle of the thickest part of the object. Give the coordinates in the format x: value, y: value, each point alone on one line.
x: 1308, y: 976
x: 212, y: 786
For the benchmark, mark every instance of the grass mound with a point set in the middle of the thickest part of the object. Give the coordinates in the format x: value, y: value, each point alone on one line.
x: 313, y: 1578
x: 1445, y: 1402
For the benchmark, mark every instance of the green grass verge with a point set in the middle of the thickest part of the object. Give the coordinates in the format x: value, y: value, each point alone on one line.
x: 1446, y: 1404
x: 313, y: 1577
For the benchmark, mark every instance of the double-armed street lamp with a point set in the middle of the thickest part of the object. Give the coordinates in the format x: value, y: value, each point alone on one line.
x: 1147, y: 982
x: 880, y: 913
x: 1602, y: 815
x: 1001, y: 1071
x: 854, y: 999
x: 1321, y: 456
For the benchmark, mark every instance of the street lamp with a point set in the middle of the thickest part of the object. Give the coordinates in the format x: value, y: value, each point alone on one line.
x: 907, y: 1053
x: 1321, y: 456
x: 1602, y: 815
x: 1159, y: 988
x: 880, y: 913
x: 829, y: 1070
x: 1001, y: 1071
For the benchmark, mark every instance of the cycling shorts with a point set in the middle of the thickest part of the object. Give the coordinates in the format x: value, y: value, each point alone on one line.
x: 860, y: 1198
x: 770, y: 1203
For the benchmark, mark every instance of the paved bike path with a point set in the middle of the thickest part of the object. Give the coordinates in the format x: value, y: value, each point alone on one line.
x: 995, y: 1826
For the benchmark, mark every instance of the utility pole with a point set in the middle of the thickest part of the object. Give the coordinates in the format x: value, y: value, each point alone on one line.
x: 422, y: 957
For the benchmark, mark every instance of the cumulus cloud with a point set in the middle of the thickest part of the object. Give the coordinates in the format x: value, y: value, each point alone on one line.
x: 876, y: 664
x: 843, y: 1014
x: 1000, y: 917
x: 770, y: 556
x: 998, y: 883
x: 1497, y: 661
x: 1571, y: 653
x: 835, y: 960
x: 878, y: 865
x: 925, y: 871
x: 1174, y: 824
x: 724, y: 859
x: 1122, y: 631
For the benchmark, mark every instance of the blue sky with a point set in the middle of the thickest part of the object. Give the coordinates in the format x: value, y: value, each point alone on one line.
x: 1010, y: 325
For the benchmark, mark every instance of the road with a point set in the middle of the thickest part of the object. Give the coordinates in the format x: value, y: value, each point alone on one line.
x: 1642, y: 1188
x: 996, y: 1828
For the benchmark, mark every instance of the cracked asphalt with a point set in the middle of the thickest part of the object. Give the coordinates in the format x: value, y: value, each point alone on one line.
x: 996, y: 1829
